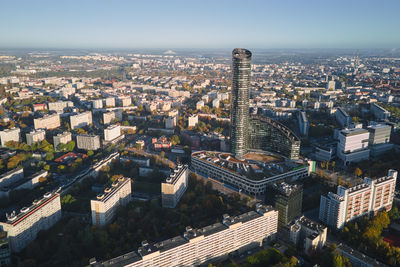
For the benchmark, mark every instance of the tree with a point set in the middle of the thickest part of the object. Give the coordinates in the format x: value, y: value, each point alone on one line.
x: 358, y: 172
x: 90, y: 153
x: 162, y: 154
x: 175, y: 140
x: 49, y: 156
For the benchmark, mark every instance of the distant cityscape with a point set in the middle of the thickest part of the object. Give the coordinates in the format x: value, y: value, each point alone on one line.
x: 189, y: 158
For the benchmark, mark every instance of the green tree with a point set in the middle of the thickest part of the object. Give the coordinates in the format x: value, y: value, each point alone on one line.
x: 49, y: 156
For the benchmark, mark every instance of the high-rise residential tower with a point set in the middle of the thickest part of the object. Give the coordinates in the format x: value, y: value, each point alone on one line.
x: 241, y: 69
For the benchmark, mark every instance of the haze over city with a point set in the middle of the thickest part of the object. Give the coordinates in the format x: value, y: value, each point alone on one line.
x: 199, y: 133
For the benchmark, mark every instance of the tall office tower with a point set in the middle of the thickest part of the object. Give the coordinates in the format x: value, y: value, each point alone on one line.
x: 241, y: 69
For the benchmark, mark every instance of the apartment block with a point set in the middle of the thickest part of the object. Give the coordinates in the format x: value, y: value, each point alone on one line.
x: 342, y: 118
x: 104, y: 206
x: 88, y: 142
x: 193, y: 120
x: 200, y: 104
x: 112, y: 132
x: 379, y: 112
x: 9, y: 135
x: 11, y: 177
x: 61, y: 138
x: 109, y: 116
x: 303, y: 123
x: 35, y: 136
x: 110, y: 102
x: 51, y: 121
x: 208, y: 244
x: 173, y: 188
x: 81, y: 120
x: 125, y: 101
x: 22, y: 228
x: 308, y: 234
x: 349, y: 203
x: 170, y: 122
x: 97, y: 103
x: 59, y: 105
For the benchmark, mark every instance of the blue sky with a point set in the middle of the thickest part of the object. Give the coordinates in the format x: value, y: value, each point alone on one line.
x: 200, y: 24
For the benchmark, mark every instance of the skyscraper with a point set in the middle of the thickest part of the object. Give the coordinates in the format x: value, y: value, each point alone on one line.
x: 241, y: 69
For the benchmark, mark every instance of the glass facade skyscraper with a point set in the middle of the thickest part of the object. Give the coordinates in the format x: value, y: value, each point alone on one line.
x: 241, y: 69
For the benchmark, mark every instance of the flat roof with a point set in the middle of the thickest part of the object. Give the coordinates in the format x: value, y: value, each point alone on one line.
x: 108, y: 192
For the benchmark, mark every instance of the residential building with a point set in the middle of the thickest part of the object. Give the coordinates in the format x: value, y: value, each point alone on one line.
x: 80, y: 120
x: 208, y: 244
x: 112, y: 132
x: 22, y: 228
x: 59, y: 105
x: 379, y: 139
x: 358, y: 259
x: 109, y: 116
x: 105, y: 205
x: 8, y: 135
x: 170, y: 122
x: 303, y: 123
x: 88, y: 142
x: 353, y: 145
x: 97, y: 103
x: 308, y: 234
x: 50, y: 121
x: 379, y: 112
x: 110, y: 102
x: 5, y: 253
x: 215, y: 103
x: 61, y: 138
x: 35, y: 136
x: 12, y: 176
x: 287, y: 199
x: 174, y: 186
x: 200, y: 104
x: 125, y: 101
x: 342, y: 118
x: 349, y: 203
x: 193, y: 120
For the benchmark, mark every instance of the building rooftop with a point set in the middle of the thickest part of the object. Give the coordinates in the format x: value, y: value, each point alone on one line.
x: 25, y: 212
x: 241, y: 53
x: 110, y: 191
x: 176, y: 173
x: 353, y: 131
x: 285, y: 188
x: 255, y: 165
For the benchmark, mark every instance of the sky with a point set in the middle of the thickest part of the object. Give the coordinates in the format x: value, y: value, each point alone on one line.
x: 267, y: 24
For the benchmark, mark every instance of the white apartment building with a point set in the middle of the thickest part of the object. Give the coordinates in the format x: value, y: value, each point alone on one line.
x: 109, y: 116
x: 61, y: 138
x: 349, y: 203
x: 112, y: 132
x: 208, y: 244
x: 353, y: 145
x: 23, y: 228
x: 174, y: 186
x: 110, y: 102
x: 35, y: 136
x: 342, y: 117
x: 59, y: 105
x: 200, y: 104
x: 98, y: 103
x: 125, y: 101
x: 80, y: 120
x: 9, y: 135
x: 88, y: 142
x: 215, y: 103
x: 104, y: 206
x: 193, y: 120
x: 51, y: 121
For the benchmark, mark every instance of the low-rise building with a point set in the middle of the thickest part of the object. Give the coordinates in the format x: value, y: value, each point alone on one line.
x: 22, y: 228
x: 174, y: 186
x: 104, y: 206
